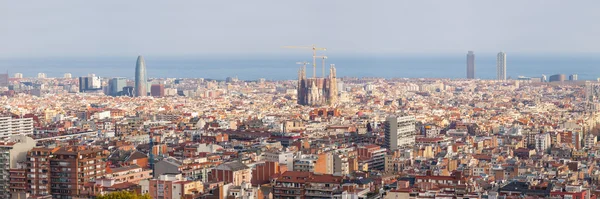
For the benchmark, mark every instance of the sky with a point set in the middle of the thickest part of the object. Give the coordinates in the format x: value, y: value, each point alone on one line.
x: 66, y: 28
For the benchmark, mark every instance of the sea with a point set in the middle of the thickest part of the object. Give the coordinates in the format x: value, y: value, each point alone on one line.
x: 285, y: 67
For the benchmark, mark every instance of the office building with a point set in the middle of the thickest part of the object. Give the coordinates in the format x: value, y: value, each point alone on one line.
x: 470, y: 65
x: 116, y: 85
x: 90, y: 83
x: 12, y: 153
x: 129, y: 91
x: 399, y: 131
x: 557, y: 78
x: 501, y: 66
x: 67, y: 76
x: 74, y: 166
x: 141, y: 81
x: 15, y: 126
x: 157, y: 90
x: 573, y: 77
x: 18, y: 75
x: 41, y: 75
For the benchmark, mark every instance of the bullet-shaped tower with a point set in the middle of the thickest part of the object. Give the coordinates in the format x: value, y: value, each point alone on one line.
x: 141, y: 81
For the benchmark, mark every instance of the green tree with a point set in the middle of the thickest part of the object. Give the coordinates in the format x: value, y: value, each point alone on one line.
x: 123, y: 195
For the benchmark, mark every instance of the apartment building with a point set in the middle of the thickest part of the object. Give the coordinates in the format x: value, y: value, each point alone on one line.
x: 11, y: 153
x: 321, y: 163
x: 301, y: 184
x: 72, y: 167
x: 38, y: 170
x: 232, y: 172
x: 15, y: 126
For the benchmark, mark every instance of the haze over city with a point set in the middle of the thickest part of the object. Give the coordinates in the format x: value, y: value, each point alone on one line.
x: 69, y: 28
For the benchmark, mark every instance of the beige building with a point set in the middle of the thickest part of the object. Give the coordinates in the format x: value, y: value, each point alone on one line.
x: 11, y: 153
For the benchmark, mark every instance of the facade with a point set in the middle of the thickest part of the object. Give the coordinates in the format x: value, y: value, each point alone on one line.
x: 573, y: 77
x: 262, y: 172
x: 317, y: 91
x: 543, y: 142
x: 15, y: 126
x: 11, y: 154
x: 470, y: 65
x: 373, y: 156
x: 141, y: 81
x: 157, y: 90
x: 322, y: 163
x: 38, y: 173
x: 171, y: 186
x: 501, y: 66
x: 72, y: 167
x: 90, y: 83
x: 399, y: 131
x: 232, y: 172
x: 557, y: 78
x: 301, y: 184
x: 116, y: 85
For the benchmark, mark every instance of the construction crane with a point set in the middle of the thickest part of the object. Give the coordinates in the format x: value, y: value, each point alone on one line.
x: 314, y: 48
x: 323, y: 63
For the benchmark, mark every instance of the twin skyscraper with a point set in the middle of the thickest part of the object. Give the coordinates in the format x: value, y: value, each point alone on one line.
x: 500, y: 66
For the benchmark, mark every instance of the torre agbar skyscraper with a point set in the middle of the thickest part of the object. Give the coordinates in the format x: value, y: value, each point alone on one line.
x: 141, y: 80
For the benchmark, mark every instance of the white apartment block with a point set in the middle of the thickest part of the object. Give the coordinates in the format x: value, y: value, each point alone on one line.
x: 11, y: 126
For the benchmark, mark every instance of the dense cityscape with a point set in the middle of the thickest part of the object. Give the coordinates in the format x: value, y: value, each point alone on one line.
x: 314, y: 137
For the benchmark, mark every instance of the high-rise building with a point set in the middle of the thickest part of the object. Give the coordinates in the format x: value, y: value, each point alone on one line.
x: 90, y: 83
x: 11, y: 154
x: 573, y: 77
x: 116, y: 85
x: 67, y: 76
x: 15, y: 126
x: 141, y: 81
x: 544, y: 78
x: 38, y: 164
x: 400, y: 131
x: 557, y: 78
x: 470, y: 65
x: 74, y: 166
x: 317, y: 91
x: 157, y: 90
x: 18, y: 75
x: 41, y: 75
x: 501, y: 66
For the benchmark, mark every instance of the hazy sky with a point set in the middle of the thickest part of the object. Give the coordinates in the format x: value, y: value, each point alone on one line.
x: 127, y: 28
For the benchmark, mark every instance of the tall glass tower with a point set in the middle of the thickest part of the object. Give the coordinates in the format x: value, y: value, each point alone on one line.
x: 470, y: 65
x: 141, y: 81
x: 501, y: 66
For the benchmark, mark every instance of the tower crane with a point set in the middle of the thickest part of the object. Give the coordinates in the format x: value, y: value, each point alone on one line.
x: 314, y: 48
